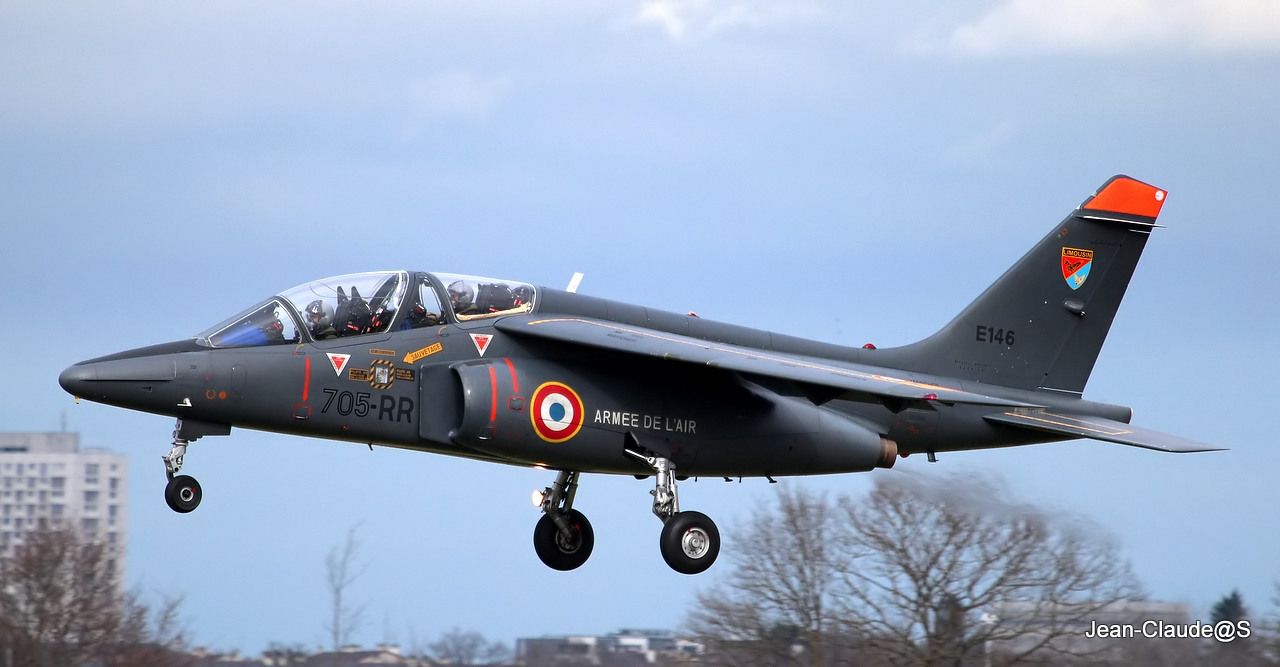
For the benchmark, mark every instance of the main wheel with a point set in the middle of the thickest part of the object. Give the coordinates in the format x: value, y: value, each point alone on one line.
x: 560, y: 552
x: 690, y: 542
x: 183, y: 494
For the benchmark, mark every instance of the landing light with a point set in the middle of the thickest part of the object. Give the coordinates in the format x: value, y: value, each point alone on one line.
x: 538, y: 497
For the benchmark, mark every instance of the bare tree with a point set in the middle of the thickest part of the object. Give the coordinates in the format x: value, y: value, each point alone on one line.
x: 929, y: 558
x: 149, y: 638
x: 778, y: 600
x: 467, y: 647
x: 342, y: 571
x: 62, y: 603
x: 916, y: 573
x: 60, y: 599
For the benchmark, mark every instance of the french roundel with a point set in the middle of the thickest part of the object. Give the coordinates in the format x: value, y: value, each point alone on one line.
x: 557, y: 412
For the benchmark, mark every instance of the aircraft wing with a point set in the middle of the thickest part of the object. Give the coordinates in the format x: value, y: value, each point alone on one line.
x: 847, y: 378
x: 1098, y: 428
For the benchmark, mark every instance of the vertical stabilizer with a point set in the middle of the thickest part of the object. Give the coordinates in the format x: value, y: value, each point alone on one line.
x: 1042, y: 324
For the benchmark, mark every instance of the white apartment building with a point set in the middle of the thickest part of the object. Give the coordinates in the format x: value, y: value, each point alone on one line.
x: 46, y: 479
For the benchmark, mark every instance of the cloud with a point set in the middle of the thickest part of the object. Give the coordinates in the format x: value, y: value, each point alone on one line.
x: 1033, y: 27
x: 684, y: 19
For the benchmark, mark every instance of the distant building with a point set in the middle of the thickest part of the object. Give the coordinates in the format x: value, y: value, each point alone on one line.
x: 46, y: 479
x: 625, y: 647
x: 350, y: 656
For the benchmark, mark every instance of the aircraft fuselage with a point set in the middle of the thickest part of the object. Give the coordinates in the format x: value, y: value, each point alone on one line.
x: 431, y: 389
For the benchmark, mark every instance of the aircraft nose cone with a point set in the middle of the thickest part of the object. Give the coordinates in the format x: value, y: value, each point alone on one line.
x: 75, y: 380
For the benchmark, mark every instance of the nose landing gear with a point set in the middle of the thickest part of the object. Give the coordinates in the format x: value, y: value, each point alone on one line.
x: 183, y: 492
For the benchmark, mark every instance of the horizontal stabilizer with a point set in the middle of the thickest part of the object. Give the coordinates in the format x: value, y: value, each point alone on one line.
x: 1098, y: 428
x: 855, y: 381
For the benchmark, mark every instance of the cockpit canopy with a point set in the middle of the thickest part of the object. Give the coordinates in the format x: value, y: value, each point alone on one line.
x: 360, y: 304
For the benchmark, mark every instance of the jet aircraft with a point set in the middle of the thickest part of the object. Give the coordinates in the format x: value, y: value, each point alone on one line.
x: 508, y: 372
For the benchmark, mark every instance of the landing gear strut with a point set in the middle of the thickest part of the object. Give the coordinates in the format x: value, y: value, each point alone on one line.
x: 183, y: 492
x: 563, y: 537
x: 690, y: 541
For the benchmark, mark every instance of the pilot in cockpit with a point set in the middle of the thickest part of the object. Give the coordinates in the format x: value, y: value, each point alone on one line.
x: 320, y: 320
x: 486, y: 298
x: 462, y: 297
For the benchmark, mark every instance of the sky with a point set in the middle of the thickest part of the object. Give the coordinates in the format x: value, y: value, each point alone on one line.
x: 845, y: 171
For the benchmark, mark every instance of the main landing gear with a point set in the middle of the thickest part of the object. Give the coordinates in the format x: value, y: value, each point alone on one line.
x: 689, y: 541
x: 563, y: 537
x: 183, y: 493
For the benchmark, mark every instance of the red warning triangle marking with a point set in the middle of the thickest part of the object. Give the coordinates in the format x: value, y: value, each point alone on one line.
x: 338, y: 361
x: 481, y: 341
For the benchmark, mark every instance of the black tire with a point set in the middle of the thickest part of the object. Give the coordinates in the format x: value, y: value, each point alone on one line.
x: 690, y: 542
x: 183, y: 494
x: 559, y: 553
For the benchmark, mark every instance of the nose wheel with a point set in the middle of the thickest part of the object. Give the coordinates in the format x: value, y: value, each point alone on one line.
x: 183, y: 493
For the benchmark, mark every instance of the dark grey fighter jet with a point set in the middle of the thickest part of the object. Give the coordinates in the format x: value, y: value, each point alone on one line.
x: 502, y: 371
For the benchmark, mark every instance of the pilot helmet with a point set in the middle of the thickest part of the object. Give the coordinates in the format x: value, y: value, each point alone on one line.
x: 319, y: 314
x: 460, y: 294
